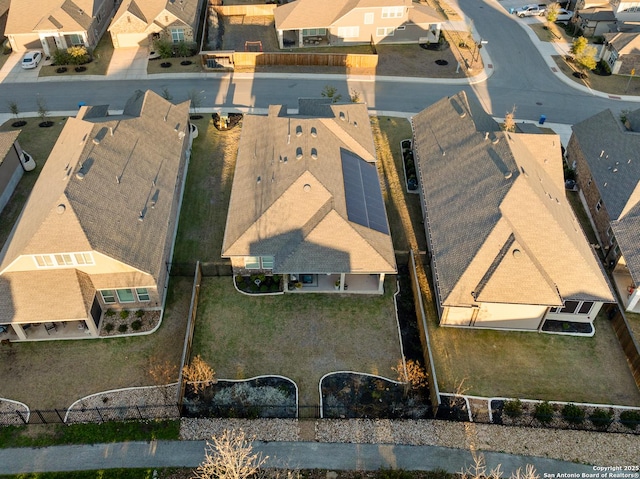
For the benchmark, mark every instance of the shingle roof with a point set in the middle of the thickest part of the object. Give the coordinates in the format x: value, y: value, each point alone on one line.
x: 627, y: 233
x: 324, y: 13
x: 287, y: 204
x: 149, y: 10
x: 613, y: 156
x: 62, y: 15
x: 624, y: 42
x: 499, y: 226
x: 101, y: 177
x: 7, y: 139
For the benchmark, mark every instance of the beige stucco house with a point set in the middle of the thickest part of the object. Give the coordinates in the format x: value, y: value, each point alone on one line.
x: 506, y: 249
x: 139, y: 22
x: 57, y: 24
x: 97, y: 231
x: 306, y: 201
x: 343, y: 22
x: 605, y: 154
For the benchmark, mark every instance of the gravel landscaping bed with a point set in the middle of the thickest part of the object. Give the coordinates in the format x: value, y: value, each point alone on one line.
x: 8, y: 415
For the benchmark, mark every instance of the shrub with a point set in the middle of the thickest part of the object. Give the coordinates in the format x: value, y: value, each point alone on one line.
x: 601, y: 418
x: 61, y: 57
x: 124, y: 314
x: 108, y: 327
x: 630, y: 419
x: 78, y: 55
x: 123, y: 328
x: 513, y: 408
x: 239, y: 279
x: 109, y: 313
x: 264, y: 288
x: 136, y: 325
x: 164, y: 48
x: 139, y: 313
x: 573, y: 414
x: 276, y: 278
x: 544, y: 412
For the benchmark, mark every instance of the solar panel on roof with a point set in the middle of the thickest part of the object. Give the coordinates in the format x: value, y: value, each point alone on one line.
x: 365, y: 205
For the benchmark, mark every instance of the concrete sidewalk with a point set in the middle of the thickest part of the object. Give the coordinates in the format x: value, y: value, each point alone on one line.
x: 286, y: 455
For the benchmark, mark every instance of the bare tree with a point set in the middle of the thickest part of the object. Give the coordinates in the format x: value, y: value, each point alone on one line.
x: 478, y: 470
x: 509, y: 120
x: 199, y: 373
x: 355, y: 96
x: 412, y: 374
x: 13, y: 108
x: 196, y: 99
x: 165, y: 94
x: 229, y: 456
x: 43, y: 110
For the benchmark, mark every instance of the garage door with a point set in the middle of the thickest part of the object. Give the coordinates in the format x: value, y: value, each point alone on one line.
x: 124, y: 40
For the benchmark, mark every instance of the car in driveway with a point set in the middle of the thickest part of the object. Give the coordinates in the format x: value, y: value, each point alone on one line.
x: 531, y: 10
x: 564, y: 16
x: 31, y: 59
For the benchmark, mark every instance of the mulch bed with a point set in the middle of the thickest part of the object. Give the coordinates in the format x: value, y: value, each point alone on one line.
x: 148, y: 321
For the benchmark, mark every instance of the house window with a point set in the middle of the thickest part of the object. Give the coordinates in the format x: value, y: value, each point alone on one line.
x: 76, y: 39
x: 368, y: 18
x: 392, y: 12
x: 252, y: 262
x: 612, y: 58
x: 108, y: 296
x: 599, y: 205
x: 384, y: 31
x: 143, y: 294
x: 348, y: 32
x: 63, y: 259
x: 574, y: 307
x: 177, y: 35
x: 125, y: 295
x: 83, y: 258
x: 313, y: 32
x: 43, y: 260
x: 267, y: 262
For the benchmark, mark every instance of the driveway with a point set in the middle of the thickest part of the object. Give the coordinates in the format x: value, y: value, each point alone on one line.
x: 128, y: 63
x: 12, y: 72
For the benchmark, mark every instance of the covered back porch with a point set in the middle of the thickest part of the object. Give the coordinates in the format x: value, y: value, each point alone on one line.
x: 626, y: 287
x: 334, y: 283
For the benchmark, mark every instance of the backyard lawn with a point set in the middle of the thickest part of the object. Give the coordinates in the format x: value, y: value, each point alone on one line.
x: 300, y: 336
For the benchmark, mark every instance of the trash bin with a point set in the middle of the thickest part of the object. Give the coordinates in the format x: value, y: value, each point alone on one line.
x: 81, y: 104
x: 542, y: 119
x: 511, y: 10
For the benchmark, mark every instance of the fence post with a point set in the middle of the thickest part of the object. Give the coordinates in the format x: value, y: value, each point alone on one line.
x: 100, y: 415
x: 20, y: 416
x: 44, y: 421
x: 139, y: 413
x: 58, y: 413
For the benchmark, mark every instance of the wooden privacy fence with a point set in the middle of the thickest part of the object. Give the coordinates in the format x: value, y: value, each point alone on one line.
x: 346, y: 60
x: 629, y: 345
x: 434, y: 392
x: 191, y: 324
x: 248, y: 10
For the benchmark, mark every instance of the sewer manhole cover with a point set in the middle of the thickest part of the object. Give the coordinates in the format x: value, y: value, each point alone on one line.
x: 442, y: 62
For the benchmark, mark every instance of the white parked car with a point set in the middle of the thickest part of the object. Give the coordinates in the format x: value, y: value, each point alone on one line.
x: 531, y: 10
x: 28, y: 163
x: 31, y: 59
x: 564, y: 16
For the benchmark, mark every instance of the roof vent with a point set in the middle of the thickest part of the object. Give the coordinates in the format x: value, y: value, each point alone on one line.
x: 495, y: 139
x: 307, y: 187
x: 314, y: 132
x: 508, y: 175
x: 314, y: 153
x: 299, y: 130
x: 298, y: 153
x: 516, y: 253
x: 60, y: 209
x: 181, y: 135
x: 80, y: 175
x: 342, y: 117
x: 486, y: 135
x: 258, y: 180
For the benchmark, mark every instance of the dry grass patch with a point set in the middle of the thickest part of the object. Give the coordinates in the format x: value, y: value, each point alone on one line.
x: 634, y: 323
x: 300, y: 336
x: 550, y: 32
x: 614, y: 84
x: 53, y: 374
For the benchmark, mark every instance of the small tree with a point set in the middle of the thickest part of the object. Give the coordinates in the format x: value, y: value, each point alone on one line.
x: 509, y: 120
x: 183, y: 49
x: 355, y: 96
x: 78, y: 55
x: 164, y: 48
x: 199, y: 373
x: 413, y: 375
x: 584, y: 54
x: 43, y: 110
x: 166, y: 95
x: 163, y: 373
x: 61, y: 57
x: 13, y: 108
x: 229, y: 456
x: 331, y: 92
x: 196, y: 98
x: 552, y: 12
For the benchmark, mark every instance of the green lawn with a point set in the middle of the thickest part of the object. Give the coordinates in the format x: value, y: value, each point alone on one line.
x: 300, y: 336
x: 206, y: 199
